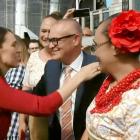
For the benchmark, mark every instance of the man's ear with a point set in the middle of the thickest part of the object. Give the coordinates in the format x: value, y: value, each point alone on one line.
x: 76, y: 40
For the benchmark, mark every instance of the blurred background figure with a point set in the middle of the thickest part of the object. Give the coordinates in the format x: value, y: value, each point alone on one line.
x: 33, y: 46
x: 26, y: 39
x: 87, y: 32
x: 22, y: 51
x: 14, y: 78
x: 87, y: 39
x: 57, y: 15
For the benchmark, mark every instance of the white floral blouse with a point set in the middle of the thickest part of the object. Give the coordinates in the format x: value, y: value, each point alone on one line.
x: 121, y: 123
x: 34, y: 70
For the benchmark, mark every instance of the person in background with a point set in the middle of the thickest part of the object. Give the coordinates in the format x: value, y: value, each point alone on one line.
x: 34, y: 70
x: 114, y: 114
x: 57, y: 15
x: 19, y: 101
x: 33, y: 46
x: 26, y: 39
x: 14, y: 78
x: 87, y: 39
x: 86, y: 31
x: 65, y: 46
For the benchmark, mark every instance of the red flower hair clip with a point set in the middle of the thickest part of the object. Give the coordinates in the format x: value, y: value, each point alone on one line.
x: 124, y: 31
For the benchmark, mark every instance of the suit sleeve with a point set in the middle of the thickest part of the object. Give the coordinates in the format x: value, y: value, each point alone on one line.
x: 40, y: 88
x: 20, y: 101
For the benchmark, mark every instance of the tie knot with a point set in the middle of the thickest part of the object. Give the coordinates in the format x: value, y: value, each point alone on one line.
x: 67, y: 70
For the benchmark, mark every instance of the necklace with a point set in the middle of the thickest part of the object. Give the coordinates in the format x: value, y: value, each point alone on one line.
x: 105, y: 101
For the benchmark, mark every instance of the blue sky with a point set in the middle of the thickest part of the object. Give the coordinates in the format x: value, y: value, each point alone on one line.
x: 108, y: 2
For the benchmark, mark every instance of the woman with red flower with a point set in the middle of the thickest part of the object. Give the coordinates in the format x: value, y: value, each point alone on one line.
x: 114, y: 114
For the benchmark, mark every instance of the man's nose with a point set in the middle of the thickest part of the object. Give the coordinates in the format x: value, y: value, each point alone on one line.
x: 51, y: 45
x: 47, y: 34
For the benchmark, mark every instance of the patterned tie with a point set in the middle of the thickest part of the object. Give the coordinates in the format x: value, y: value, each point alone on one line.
x: 66, y: 117
x: 67, y: 73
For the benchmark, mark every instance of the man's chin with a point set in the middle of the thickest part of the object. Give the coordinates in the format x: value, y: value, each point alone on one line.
x: 55, y: 57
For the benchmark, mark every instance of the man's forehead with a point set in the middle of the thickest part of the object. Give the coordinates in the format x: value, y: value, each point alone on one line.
x: 57, y: 30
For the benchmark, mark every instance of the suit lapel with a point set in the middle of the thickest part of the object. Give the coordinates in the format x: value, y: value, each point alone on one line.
x: 87, y: 59
x: 53, y: 77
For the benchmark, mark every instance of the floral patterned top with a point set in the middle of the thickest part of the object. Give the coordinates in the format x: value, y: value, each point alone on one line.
x: 34, y: 70
x: 121, y: 123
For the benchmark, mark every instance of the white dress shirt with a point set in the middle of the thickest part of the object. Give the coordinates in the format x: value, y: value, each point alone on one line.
x: 76, y: 66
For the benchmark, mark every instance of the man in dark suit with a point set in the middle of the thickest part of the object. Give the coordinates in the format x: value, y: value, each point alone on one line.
x: 65, y: 46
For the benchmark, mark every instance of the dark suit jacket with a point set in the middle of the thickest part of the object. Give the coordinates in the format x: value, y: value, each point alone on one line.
x: 85, y: 94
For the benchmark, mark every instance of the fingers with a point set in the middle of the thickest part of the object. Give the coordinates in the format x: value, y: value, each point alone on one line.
x: 96, y: 66
x: 71, y: 10
x: 69, y: 13
x: 95, y: 73
x: 90, y: 71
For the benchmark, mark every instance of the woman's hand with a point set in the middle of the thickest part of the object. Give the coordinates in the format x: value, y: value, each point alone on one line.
x: 89, y: 71
x: 69, y: 13
x: 86, y: 73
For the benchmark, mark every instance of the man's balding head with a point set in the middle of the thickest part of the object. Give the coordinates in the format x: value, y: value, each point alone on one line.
x: 68, y: 26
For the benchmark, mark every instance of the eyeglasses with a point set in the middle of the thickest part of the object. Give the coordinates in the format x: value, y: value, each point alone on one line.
x: 98, y: 45
x: 54, y: 41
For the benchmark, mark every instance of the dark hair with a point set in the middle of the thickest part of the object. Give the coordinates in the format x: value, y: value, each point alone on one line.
x: 26, y: 35
x: 34, y: 41
x: 3, y: 32
x: 56, y: 15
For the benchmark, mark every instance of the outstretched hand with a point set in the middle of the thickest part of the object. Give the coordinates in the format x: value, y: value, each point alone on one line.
x: 86, y: 73
x: 89, y: 71
x: 69, y: 13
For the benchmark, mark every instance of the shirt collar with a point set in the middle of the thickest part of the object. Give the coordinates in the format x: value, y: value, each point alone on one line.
x: 76, y: 64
